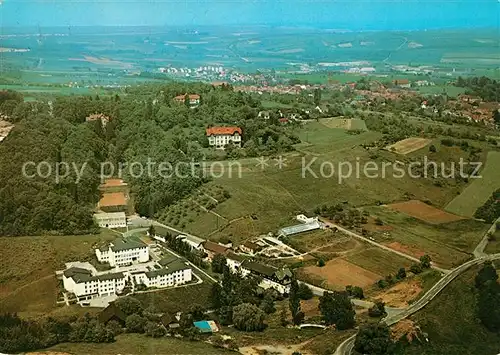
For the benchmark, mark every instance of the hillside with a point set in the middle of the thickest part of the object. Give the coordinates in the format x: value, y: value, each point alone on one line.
x: 451, y: 324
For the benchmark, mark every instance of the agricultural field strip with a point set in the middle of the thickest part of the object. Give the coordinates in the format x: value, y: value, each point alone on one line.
x: 479, y: 190
x: 379, y: 245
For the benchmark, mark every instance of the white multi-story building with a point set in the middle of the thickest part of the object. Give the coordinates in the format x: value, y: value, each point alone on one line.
x: 86, y: 286
x: 122, y: 252
x: 173, y: 274
x: 111, y: 220
x: 219, y: 137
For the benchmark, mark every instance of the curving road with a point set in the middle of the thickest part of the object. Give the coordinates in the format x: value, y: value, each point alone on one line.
x: 347, y: 346
x: 479, y: 251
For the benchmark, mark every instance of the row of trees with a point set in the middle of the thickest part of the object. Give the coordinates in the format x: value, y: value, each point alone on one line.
x: 20, y: 335
x: 484, y: 87
x: 490, y: 211
x: 425, y: 263
x: 488, y: 297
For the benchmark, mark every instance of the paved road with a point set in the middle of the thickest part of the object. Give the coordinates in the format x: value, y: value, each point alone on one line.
x: 479, y: 251
x: 346, y: 347
x: 355, y: 235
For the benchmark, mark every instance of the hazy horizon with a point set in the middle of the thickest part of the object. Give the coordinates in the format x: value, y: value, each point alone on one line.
x: 354, y: 15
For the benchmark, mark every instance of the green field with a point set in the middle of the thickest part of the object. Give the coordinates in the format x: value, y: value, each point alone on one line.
x: 452, y: 91
x: 273, y: 196
x: 177, y: 299
x: 451, y: 323
x: 320, y: 139
x: 379, y: 261
x: 448, y: 244
x: 479, y: 190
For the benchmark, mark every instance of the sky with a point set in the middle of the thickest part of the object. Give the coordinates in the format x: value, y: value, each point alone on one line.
x: 332, y: 14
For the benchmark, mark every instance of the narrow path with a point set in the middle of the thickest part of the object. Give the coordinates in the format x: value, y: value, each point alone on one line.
x: 381, y: 246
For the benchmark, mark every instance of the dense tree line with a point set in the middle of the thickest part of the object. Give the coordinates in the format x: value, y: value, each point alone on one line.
x: 185, y: 250
x: 19, y: 335
x: 488, y: 297
x: 143, y: 125
x: 234, y: 291
x: 31, y: 204
x: 490, y: 211
x: 484, y: 87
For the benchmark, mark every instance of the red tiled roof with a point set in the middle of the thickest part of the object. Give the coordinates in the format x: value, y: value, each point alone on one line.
x: 113, y: 183
x: 113, y: 199
x: 191, y: 97
x: 222, y: 131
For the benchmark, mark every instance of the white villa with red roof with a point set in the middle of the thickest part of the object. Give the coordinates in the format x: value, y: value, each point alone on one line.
x: 219, y: 137
x: 194, y: 99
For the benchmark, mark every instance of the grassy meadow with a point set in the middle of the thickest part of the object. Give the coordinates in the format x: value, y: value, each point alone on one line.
x: 264, y: 200
x: 479, y: 190
x: 139, y: 344
x: 448, y: 244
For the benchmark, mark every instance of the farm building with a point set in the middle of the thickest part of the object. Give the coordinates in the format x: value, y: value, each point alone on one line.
x: 300, y: 228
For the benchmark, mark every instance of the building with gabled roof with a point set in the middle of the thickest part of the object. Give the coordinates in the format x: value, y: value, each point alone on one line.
x: 122, y: 252
x: 112, y: 312
x: 234, y: 261
x: 85, y: 285
x: 212, y: 249
x: 219, y: 137
x: 175, y: 273
x: 194, y: 99
x: 272, y: 277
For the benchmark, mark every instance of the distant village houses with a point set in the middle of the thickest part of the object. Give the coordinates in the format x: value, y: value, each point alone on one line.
x: 402, y: 83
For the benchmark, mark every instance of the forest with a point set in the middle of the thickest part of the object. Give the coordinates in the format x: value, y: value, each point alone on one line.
x: 142, y: 123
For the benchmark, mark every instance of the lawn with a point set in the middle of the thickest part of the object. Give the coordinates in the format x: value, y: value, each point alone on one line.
x: 479, y: 190
x: 448, y: 244
x: 319, y: 139
x: 139, y: 344
x: 177, y: 299
x: 451, y: 323
x: 379, y: 261
x: 28, y: 264
x: 321, y: 240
